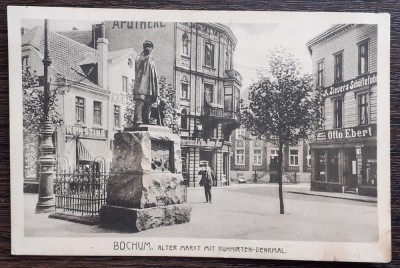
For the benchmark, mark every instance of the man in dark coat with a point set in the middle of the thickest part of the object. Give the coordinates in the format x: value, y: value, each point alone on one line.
x: 145, y: 89
x: 207, y: 179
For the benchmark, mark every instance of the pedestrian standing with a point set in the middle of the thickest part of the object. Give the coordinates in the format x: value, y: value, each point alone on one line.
x: 207, y: 180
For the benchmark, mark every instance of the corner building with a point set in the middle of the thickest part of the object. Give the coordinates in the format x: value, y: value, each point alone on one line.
x: 197, y: 59
x: 345, y: 69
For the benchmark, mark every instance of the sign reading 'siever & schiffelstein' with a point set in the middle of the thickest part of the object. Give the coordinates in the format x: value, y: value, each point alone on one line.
x: 359, y: 82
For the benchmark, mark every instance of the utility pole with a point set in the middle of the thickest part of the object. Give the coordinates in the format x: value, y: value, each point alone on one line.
x: 46, y: 160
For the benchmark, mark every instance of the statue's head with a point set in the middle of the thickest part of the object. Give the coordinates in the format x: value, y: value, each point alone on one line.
x: 147, y: 47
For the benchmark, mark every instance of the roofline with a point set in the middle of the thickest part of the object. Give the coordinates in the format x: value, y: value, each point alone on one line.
x: 223, y: 28
x: 331, y: 32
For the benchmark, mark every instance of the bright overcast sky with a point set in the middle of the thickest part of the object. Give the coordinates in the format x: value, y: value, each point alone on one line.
x: 254, y: 41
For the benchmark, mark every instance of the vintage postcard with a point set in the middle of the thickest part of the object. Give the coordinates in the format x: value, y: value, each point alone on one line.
x: 200, y: 133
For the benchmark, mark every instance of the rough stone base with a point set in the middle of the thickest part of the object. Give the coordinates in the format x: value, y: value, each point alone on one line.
x: 136, y: 220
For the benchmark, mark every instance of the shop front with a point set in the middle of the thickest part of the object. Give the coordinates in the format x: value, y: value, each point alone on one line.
x: 345, y: 161
x: 196, y: 152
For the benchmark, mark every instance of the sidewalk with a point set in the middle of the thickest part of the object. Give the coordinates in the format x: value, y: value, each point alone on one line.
x: 305, y: 189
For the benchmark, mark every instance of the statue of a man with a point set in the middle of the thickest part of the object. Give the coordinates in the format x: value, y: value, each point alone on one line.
x: 145, y: 89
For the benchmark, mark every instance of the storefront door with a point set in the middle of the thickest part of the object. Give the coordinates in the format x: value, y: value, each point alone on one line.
x: 350, y: 170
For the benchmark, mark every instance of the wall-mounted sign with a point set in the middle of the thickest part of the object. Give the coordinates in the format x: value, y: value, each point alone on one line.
x: 201, y: 143
x: 119, y: 98
x: 347, y: 133
x: 137, y: 25
x: 85, y: 132
x: 365, y: 80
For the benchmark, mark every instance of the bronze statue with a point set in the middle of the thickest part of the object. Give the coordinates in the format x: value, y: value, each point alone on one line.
x: 145, y: 89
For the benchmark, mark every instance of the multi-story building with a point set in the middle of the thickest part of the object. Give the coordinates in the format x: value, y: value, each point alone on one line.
x: 345, y: 69
x: 196, y: 59
x: 253, y: 157
x: 94, y: 82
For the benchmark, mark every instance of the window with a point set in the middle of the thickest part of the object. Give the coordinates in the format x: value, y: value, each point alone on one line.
x: 80, y: 110
x: 184, y: 91
x: 239, y: 159
x: 240, y: 134
x: 320, y: 81
x: 363, y: 58
x: 124, y: 84
x: 338, y: 112
x: 309, y: 156
x: 208, y: 94
x: 25, y: 62
x: 184, y: 119
x: 363, y: 109
x: 339, y: 67
x: 117, y: 114
x: 97, y: 113
x: 227, y: 61
x: 257, y: 157
x: 293, y: 157
x: 130, y: 63
x: 209, y: 55
x: 185, y: 44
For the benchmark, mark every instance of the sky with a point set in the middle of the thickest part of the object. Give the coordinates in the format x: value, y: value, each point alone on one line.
x: 254, y: 41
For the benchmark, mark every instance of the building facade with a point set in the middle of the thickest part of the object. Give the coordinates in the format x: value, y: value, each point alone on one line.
x: 93, y: 84
x: 345, y: 69
x: 253, y: 157
x: 197, y: 60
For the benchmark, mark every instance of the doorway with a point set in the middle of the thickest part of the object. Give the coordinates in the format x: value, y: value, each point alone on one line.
x: 350, y: 171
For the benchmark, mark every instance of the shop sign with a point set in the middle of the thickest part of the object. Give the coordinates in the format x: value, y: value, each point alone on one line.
x: 137, y: 25
x: 365, y: 80
x: 85, y: 132
x: 347, y: 133
x: 201, y: 143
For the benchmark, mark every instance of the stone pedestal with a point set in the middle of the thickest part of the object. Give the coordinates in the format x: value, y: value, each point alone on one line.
x: 145, y: 188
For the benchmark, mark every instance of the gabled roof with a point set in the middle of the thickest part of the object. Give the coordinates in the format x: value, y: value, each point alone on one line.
x: 113, y: 56
x: 65, y: 53
x: 83, y: 37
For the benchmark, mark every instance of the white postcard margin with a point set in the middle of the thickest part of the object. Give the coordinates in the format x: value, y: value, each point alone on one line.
x: 292, y: 250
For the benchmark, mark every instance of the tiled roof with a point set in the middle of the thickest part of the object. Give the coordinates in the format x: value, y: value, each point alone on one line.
x: 65, y: 53
x: 83, y: 37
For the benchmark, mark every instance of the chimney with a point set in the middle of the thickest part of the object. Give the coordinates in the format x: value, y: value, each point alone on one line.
x: 102, y: 64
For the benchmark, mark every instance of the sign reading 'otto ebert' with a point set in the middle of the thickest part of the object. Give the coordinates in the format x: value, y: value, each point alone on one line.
x: 347, y: 133
x: 359, y: 82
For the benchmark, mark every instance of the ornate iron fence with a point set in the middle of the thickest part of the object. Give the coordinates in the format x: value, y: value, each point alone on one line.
x: 82, y: 190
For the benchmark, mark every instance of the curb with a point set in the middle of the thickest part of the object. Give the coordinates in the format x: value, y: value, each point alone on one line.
x: 336, y: 197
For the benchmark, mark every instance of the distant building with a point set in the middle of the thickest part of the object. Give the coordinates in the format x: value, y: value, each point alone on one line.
x: 345, y: 68
x: 253, y: 157
x: 95, y: 81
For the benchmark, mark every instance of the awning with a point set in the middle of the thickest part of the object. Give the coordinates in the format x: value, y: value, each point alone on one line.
x: 89, y: 150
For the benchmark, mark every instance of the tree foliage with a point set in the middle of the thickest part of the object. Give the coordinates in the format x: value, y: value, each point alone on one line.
x: 282, y: 107
x: 33, y: 113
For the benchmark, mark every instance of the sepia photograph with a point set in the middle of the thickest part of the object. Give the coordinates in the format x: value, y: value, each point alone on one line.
x: 201, y: 134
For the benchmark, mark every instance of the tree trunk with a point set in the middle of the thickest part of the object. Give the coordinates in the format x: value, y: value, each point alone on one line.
x: 280, y: 157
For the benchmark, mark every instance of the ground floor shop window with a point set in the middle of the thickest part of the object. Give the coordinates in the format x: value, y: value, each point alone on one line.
x: 369, y: 166
x: 320, y: 170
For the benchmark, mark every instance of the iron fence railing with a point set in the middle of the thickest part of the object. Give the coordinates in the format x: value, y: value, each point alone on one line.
x: 81, y: 191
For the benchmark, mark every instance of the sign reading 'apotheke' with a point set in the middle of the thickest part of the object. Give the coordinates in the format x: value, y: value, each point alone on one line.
x: 365, y: 80
x: 347, y: 133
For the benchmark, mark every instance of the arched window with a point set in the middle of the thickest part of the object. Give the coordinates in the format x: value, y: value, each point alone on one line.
x: 184, y: 119
x: 185, y: 44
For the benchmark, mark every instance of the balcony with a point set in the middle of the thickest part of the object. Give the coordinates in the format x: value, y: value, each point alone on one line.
x: 233, y: 74
x: 213, y: 111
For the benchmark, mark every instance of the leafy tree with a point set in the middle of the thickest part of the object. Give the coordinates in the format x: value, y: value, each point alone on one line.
x: 282, y: 106
x: 167, y: 108
x: 33, y: 113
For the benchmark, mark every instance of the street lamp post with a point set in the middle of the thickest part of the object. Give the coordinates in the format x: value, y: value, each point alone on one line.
x: 46, y: 160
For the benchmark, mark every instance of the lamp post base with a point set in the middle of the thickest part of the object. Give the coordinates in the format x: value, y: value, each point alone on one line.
x: 45, y: 205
